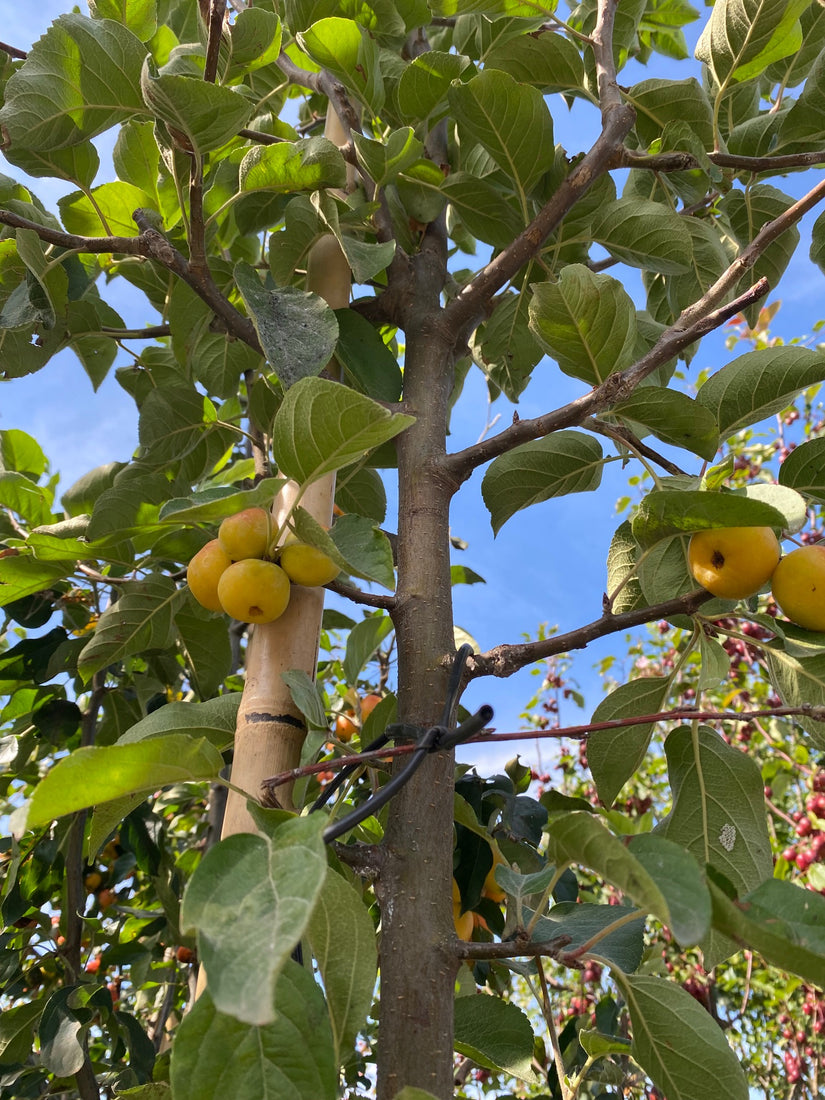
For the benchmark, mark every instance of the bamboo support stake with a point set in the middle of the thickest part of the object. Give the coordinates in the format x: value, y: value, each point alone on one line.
x: 270, y: 729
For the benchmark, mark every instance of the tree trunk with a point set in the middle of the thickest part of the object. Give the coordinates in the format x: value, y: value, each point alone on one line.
x: 418, y: 966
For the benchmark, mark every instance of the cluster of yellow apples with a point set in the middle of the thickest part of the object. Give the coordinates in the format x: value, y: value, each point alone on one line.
x: 735, y: 562
x: 243, y: 573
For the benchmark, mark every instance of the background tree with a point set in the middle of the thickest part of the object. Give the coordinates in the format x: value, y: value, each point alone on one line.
x: 240, y: 224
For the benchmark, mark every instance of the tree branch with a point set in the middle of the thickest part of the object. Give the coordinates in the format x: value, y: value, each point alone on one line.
x: 504, y: 660
x: 618, y: 386
x: 469, y: 307
x: 324, y: 83
x: 357, y: 595
x: 152, y: 245
x: 610, y: 98
x: 13, y: 51
x: 623, y: 434
x: 217, y: 13
x: 511, y: 949
x: 685, y: 162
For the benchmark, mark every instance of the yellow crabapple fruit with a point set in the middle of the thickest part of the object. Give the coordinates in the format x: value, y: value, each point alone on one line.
x: 799, y: 586
x: 368, y: 705
x: 204, y: 572
x: 733, y: 562
x: 491, y: 888
x: 307, y: 565
x: 246, y: 534
x: 345, y: 728
x: 462, y: 922
x: 254, y: 591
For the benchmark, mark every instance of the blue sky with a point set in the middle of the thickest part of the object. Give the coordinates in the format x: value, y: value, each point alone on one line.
x: 548, y: 562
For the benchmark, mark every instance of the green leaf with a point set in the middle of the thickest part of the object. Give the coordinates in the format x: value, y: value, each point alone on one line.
x: 614, y: 755
x: 17, y: 1026
x: 804, y: 470
x: 758, y: 384
x: 366, y: 259
x: 361, y: 490
x: 517, y: 9
x: 201, y: 116
x: 565, y: 462
x: 644, y: 234
x: 213, y: 720
x: 718, y: 812
x: 678, y: 1043
x: 349, y: 52
x: 715, y: 663
x: 496, y: 1034
x: 799, y: 681
x: 743, y: 37
x: 204, y: 640
x: 425, y: 82
x: 20, y: 452
x: 212, y: 505
x: 785, y: 500
x: 544, y: 59
x: 99, y: 773
x: 621, y: 946
x: 582, y: 838
x: 61, y: 1036
x: 673, y: 417
x: 384, y: 160
x: 20, y: 494
x: 300, y: 166
x: 659, y: 102
x: 749, y: 211
x: 621, y: 564
x: 782, y: 921
x: 490, y: 214
x: 24, y: 575
x: 215, y: 1055
x: 255, y: 38
x: 682, y: 882
x: 340, y: 917
x: 363, y: 640
x: 79, y: 79
x: 108, y: 212
x: 140, y: 16
x: 323, y: 426
x: 143, y: 618
x: 663, y: 513
x: 306, y: 696
x: 365, y: 549
x: 368, y: 363
x: 586, y: 321
x: 297, y: 329
x: 510, y: 120
x: 250, y: 900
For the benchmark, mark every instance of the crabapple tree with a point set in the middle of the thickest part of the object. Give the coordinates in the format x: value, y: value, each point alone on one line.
x: 318, y: 220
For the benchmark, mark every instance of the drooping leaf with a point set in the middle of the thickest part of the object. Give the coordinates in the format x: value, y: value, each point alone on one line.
x: 341, y: 917
x: 616, y: 754
x: 250, y: 900
x: 615, y: 938
x: 565, y: 462
x: 678, y: 1043
x: 586, y: 321
x: 215, y: 1054
x: 297, y: 329
x: 303, y: 166
x: 323, y: 426
x: 643, y: 234
x: 80, y: 78
x: 348, y: 51
x: 496, y: 1034
x: 673, y: 417
x: 201, y: 116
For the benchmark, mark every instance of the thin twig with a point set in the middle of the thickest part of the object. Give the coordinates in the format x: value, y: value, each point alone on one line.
x: 357, y: 595
x: 625, y: 435
x: 151, y: 332
x: 511, y: 949
x: 13, y: 51
x: 505, y: 659
x: 686, y: 162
